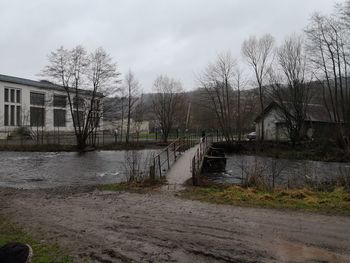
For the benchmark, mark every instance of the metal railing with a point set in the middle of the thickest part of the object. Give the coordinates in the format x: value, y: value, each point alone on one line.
x: 164, y: 160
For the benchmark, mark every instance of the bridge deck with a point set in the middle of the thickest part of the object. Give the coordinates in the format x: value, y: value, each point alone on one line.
x: 180, y: 172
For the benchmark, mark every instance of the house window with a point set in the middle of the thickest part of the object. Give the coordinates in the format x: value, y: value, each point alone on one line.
x: 37, y: 117
x: 59, y: 117
x: 59, y: 101
x: 37, y: 99
x: 12, y: 110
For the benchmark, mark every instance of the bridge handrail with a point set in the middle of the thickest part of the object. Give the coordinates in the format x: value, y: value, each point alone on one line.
x: 162, y: 162
x: 197, y: 160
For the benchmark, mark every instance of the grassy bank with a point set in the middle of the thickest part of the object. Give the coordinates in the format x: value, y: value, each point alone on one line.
x: 337, y: 201
x: 42, y: 251
x: 325, y: 151
x: 137, y: 187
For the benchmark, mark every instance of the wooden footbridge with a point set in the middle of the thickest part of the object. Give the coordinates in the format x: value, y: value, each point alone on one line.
x: 183, y: 160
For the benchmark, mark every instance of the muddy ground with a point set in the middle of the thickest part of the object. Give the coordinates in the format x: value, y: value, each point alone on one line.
x: 96, y: 226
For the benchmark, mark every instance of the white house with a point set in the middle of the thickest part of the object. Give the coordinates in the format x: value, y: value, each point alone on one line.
x: 33, y: 104
x: 318, y: 123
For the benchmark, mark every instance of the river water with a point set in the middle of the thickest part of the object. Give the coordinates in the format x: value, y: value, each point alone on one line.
x: 30, y: 170
x: 293, y: 172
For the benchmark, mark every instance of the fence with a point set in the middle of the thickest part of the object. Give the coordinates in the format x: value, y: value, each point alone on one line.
x: 57, y: 137
x: 163, y: 161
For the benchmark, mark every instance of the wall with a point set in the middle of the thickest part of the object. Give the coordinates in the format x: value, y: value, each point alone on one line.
x: 25, y: 109
x: 270, y: 127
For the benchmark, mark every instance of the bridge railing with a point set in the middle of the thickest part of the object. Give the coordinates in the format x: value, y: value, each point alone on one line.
x: 197, y: 160
x: 163, y: 161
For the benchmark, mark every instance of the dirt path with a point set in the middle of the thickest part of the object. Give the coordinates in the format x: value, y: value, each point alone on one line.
x: 100, y: 226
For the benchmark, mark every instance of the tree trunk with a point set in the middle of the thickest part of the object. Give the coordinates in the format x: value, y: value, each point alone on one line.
x: 81, y: 143
x: 129, y: 113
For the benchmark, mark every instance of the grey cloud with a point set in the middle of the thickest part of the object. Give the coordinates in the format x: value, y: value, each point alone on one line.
x: 151, y: 37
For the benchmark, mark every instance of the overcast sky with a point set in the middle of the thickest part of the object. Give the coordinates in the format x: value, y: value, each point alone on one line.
x: 150, y: 37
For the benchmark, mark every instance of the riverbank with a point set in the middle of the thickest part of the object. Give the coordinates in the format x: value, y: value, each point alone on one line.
x: 333, y: 202
x: 72, y: 148
x: 119, y: 226
x: 313, y: 151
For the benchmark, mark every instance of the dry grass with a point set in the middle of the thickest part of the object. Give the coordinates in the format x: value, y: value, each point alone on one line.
x: 337, y: 201
x: 139, y: 187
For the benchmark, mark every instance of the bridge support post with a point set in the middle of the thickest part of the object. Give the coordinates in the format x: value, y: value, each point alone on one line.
x: 152, y: 173
x: 167, y: 155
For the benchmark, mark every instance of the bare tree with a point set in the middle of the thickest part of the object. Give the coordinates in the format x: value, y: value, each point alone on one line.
x: 167, y: 103
x: 86, y: 78
x: 131, y: 86
x: 216, y: 81
x: 259, y: 55
x: 289, y: 88
x: 328, y: 49
x: 138, y: 116
x: 240, y: 83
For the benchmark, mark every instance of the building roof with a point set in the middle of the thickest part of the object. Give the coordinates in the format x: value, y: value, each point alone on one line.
x: 318, y: 113
x: 314, y: 113
x: 39, y: 84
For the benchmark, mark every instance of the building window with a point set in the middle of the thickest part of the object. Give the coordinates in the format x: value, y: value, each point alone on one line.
x: 37, y: 99
x: 6, y: 117
x: 12, y: 95
x: 96, y: 105
x: 18, y: 116
x: 12, y: 110
x: 6, y: 95
x: 12, y: 115
x: 37, y: 117
x: 81, y: 118
x: 78, y: 102
x: 59, y: 101
x: 18, y: 96
x: 59, y: 118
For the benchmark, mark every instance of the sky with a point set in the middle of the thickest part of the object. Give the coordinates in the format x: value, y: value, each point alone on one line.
x: 149, y: 37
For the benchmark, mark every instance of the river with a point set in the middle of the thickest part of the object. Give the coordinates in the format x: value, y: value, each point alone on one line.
x: 292, y: 172
x: 29, y: 170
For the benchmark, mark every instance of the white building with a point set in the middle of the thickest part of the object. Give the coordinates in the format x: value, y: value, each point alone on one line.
x: 318, y: 123
x: 118, y: 125
x: 33, y: 104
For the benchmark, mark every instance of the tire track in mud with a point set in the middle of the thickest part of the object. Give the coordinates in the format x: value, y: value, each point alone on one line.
x: 108, y: 227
